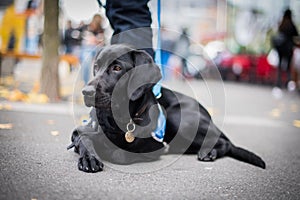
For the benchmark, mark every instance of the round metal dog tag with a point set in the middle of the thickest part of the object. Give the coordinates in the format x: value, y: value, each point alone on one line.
x: 129, y: 137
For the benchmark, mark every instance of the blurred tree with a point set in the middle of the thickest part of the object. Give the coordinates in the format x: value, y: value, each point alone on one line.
x: 49, y: 75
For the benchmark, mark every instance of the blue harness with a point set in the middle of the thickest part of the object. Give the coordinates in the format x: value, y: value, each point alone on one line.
x: 159, y: 133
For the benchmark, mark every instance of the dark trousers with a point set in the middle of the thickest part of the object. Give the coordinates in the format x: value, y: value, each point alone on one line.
x: 131, y: 21
x: 283, y: 66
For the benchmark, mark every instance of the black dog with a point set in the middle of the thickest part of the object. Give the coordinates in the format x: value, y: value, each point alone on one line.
x: 127, y: 121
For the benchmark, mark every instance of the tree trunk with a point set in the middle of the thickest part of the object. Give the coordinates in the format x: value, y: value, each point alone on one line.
x: 49, y: 75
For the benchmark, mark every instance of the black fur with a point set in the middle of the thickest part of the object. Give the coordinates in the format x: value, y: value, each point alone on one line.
x: 189, y: 127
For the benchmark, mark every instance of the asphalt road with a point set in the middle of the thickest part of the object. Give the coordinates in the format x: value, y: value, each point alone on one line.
x: 36, y: 165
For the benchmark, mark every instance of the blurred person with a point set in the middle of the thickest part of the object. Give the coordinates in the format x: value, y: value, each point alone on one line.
x: 284, y: 45
x: 131, y: 22
x: 72, y: 39
x: 12, y: 30
x: 33, y: 4
x: 131, y: 15
x: 33, y: 26
x: 92, y: 37
x: 295, y: 71
x: 182, y: 51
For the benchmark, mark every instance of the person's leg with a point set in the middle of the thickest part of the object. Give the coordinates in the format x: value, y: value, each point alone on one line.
x: 131, y: 21
x: 19, y: 28
x: 288, y: 70
x: 279, y: 73
x: 86, y: 63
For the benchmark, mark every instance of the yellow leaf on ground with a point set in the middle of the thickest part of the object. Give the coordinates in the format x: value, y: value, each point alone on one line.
x: 54, y: 133
x: 6, y: 126
x: 65, y: 91
x: 17, y: 95
x: 296, y: 123
x: 275, y: 113
x: 36, y: 87
x: 4, y: 93
x: 37, y: 98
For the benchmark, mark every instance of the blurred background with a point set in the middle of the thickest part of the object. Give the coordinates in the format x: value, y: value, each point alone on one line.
x: 233, y: 36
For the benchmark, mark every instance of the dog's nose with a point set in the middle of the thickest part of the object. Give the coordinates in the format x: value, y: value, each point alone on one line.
x: 89, y: 90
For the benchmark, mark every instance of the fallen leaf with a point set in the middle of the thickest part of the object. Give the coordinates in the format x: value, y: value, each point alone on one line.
x: 17, y: 95
x: 4, y: 93
x: 37, y: 98
x: 296, y: 123
x: 6, y: 126
x: 36, y: 87
x: 65, y: 91
x: 275, y: 113
x: 54, y: 133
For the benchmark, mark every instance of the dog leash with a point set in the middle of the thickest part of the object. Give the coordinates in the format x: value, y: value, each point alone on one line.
x: 157, y: 88
x: 159, y: 132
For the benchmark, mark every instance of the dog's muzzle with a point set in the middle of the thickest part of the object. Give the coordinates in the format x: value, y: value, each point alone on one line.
x: 89, y: 93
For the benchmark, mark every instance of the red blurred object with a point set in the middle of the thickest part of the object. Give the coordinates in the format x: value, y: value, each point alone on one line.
x: 241, y: 66
x: 264, y: 71
x: 242, y: 60
x: 226, y: 60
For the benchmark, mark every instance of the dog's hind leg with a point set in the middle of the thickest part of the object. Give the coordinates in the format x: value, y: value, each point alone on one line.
x: 224, y: 147
x: 221, y: 148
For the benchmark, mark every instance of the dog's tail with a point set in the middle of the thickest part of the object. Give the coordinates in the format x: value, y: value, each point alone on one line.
x: 246, y: 156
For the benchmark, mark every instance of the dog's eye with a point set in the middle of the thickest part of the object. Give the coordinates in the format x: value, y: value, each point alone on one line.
x: 117, y: 68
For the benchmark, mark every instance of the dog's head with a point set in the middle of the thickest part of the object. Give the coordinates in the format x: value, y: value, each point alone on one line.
x: 123, y: 70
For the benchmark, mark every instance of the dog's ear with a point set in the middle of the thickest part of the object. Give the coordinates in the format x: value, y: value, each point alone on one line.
x: 144, y: 75
x: 96, y: 64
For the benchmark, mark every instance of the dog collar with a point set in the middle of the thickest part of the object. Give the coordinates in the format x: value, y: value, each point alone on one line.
x: 159, y: 133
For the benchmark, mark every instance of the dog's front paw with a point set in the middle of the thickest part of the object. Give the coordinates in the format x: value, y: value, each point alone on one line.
x: 89, y: 163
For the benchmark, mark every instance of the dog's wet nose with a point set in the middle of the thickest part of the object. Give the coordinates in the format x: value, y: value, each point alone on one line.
x: 89, y: 90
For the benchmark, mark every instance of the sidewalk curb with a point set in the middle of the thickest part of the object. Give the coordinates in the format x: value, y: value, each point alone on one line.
x: 66, y: 108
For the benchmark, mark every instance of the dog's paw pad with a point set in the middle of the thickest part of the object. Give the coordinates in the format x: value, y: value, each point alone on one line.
x: 211, y: 156
x: 89, y: 164
x: 95, y: 165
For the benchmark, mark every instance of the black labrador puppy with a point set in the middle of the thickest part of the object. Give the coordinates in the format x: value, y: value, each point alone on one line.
x: 129, y: 124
